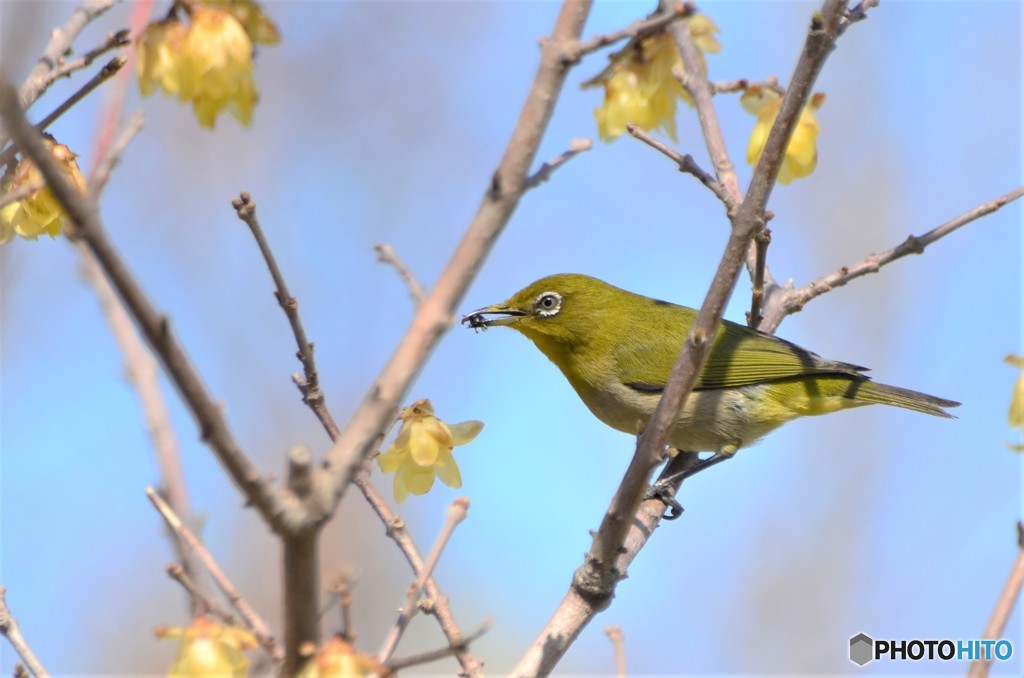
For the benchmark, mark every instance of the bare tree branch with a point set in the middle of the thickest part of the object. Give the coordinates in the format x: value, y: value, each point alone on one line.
x: 106, y: 73
x: 202, y: 603
x: 576, y: 146
x: 115, y: 40
x: 9, y: 629
x: 638, y: 30
x: 250, y: 618
x: 386, y: 255
x: 686, y: 164
x: 1004, y: 607
x: 794, y: 300
x: 280, y: 509
x: 455, y: 514
x: 61, y: 39
x: 614, y: 634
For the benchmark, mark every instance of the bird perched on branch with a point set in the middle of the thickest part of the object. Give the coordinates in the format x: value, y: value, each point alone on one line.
x: 617, y: 350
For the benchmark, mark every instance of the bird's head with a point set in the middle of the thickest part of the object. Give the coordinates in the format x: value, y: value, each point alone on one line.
x: 566, y: 309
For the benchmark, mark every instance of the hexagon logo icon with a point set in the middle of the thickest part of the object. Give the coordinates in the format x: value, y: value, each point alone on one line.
x: 862, y: 649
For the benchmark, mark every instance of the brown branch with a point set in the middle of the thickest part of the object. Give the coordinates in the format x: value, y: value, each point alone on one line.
x: 61, y: 40
x: 761, y: 242
x: 456, y: 514
x: 638, y: 30
x: 10, y: 630
x: 614, y: 634
x: 435, y: 316
x: 576, y: 146
x: 301, y: 569
x: 434, y: 655
x: 202, y: 603
x: 794, y: 300
x: 1004, y: 607
x: 250, y: 618
x: 115, y: 40
x: 686, y: 164
x: 312, y: 395
x: 386, y: 255
x: 732, y: 86
x: 106, y: 73
x: 397, y: 532
x: 595, y: 581
x: 279, y: 509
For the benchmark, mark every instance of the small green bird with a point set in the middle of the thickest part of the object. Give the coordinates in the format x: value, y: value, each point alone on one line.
x: 617, y: 350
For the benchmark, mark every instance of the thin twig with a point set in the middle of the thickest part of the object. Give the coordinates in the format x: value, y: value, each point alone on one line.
x: 9, y: 629
x: 115, y: 40
x: 279, y: 509
x: 1003, y: 609
x: 686, y: 164
x: 60, y: 43
x: 101, y: 173
x: 576, y: 146
x: 250, y: 618
x: 312, y: 395
x: 202, y: 603
x: 434, y: 655
x: 386, y: 255
x: 666, y: 13
x: 761, y: 242
x: 638, y: 30
x: 456, y: 514
x: 614, y: 634
x: 793, y: 300
x: 732, y: 86
x: 105, y: 73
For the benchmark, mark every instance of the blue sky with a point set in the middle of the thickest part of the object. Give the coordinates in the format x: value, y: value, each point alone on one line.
x: 381, y: 122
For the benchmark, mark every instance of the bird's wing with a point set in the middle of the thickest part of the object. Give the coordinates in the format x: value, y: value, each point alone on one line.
x: 739, y: 356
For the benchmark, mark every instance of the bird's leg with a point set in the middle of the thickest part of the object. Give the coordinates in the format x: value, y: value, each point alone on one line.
x: 668, y: 483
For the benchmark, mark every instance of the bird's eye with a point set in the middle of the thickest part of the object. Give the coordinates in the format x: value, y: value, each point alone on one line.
x: 548, y: 304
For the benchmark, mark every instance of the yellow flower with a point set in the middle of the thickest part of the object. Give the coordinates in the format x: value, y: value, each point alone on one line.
x: 261, y: 30
x: 802, y: 153
x: 208, y: 649
x: 160, y: 57
x: 218, y: 71
x: 639, y: 86
x: 40, y: 212
x: 1015, y: 417
x: 423, y: 450
x: 339, y: 659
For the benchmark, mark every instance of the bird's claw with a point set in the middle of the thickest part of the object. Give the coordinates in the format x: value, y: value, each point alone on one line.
x: 664, y: 492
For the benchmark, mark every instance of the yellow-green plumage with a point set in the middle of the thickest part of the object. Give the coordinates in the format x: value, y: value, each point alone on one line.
x: 617, y: 350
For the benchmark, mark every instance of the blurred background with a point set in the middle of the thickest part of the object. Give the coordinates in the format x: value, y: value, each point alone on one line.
x: 382, y: 122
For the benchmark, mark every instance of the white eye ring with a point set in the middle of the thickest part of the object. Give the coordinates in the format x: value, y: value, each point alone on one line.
x: 548, y: 304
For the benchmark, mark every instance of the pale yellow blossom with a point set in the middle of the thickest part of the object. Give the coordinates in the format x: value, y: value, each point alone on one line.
x: 39, y: 213
x: 1015, y: 417
x: 208, y: 648
x: 423, y: 450
x: 338, y: 658
x: 160, y: 57
x: 219, y: 74
x: 802, y: 152
x: 640, y: 87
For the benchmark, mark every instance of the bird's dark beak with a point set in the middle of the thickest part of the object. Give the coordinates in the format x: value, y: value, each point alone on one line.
x: 504, y: 316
